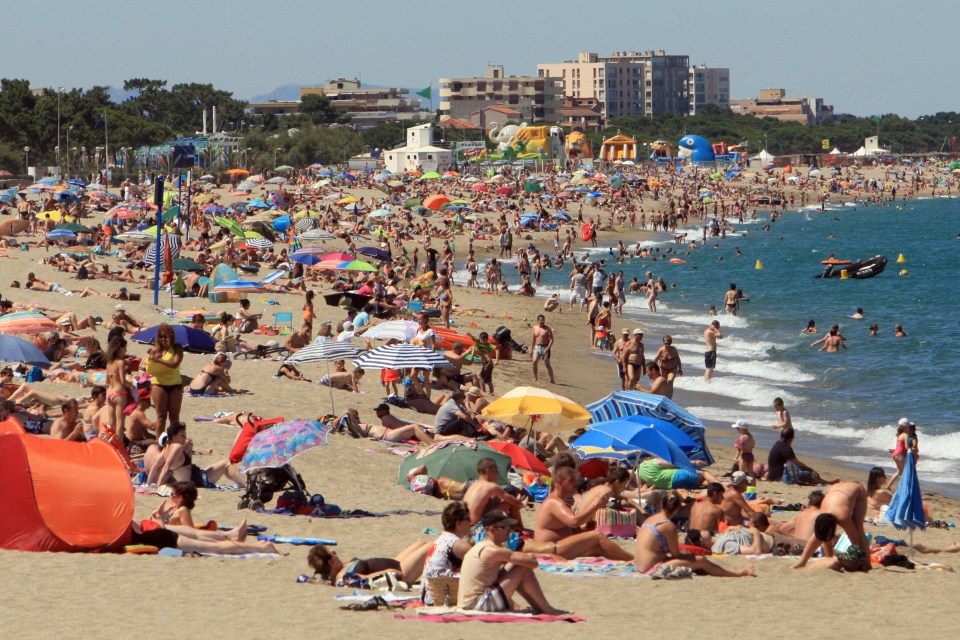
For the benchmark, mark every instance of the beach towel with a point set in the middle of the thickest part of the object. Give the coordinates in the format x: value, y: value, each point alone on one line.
x: 217, y: 395
x: 592, y: 567
x: 177, y: 553
x: 297, y: 541
x: 451, y: 614
x: 354, y: 513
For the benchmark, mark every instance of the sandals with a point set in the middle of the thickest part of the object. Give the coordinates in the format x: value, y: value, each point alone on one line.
x: 372, y: 604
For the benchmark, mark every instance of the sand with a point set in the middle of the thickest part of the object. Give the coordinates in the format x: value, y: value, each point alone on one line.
x: 53, y: 595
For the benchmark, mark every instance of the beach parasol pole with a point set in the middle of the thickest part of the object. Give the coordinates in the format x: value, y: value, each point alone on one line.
x: 158, y: 201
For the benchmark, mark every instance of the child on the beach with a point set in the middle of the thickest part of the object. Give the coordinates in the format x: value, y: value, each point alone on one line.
x: 744, y: 445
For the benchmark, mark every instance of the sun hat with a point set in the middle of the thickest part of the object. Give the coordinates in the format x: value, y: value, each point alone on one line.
x: 740, y: 424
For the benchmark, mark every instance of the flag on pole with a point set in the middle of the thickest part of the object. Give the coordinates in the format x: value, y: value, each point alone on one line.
x: 825, y: 144
x: 426, y: 92
x: 100, y: 120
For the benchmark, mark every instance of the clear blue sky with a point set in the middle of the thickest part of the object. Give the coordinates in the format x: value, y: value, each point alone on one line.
x: 877, y: 56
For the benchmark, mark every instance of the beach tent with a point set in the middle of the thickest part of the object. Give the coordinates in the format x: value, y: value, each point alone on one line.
x: 221, y: 274
x: 836, y: 152
x: 764, y: 157
x: 57, y: 495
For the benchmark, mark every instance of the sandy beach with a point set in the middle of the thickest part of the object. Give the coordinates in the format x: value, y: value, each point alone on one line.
x: 107, y: 595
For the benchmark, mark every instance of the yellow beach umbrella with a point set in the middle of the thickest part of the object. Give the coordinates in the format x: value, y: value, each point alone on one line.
x: 537, y: 409
x: 348, y: 200
x: 54, y: 215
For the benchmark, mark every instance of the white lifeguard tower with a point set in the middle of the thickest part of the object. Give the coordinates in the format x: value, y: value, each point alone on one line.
x: 418, y: 152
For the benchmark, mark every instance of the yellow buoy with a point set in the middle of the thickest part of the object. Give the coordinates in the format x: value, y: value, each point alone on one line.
x: 759, y: 265
x: 843, y: 274
x: 903, y: 272
x: 901, y: 259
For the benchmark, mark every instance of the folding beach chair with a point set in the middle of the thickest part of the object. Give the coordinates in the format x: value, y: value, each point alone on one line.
x: 283, y: 319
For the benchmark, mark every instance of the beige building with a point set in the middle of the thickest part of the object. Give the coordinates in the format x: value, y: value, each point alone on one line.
x: 775, y: 103
x: 626, y: 83
x: 366, y: 106
x: 535, y: 98
x: 708, y: 85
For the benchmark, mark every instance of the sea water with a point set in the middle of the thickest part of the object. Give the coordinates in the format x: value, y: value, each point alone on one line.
x: 844, y: 405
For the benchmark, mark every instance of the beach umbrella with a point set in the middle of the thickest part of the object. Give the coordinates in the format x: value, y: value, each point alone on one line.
x: 277, y: 446
x: 532, y: 187
x: 61, y: 234
x: 353, y: 208
x: 621, y: 404
x: 504, y: 191
x: 258, y: 243
x: 230, y: 225
x: 379, y: 213
x: 357, y: 265
x: 318, y: 235
x: 644, y: 438
x: 327, y: 265
x: 284, y: 167
x: 254, y: 179
x: 186, y: 264
x: 277, y: 180
x: 239, y: 286
x: 479, y: 187
x: 257, y: 204
x: 402, y: 330
x: 906, y: 507
x: 26, y: 323
x: 348, y: 200
x: 594, y: 444
x: 410, y: 203
x: 149, y: 255
x: 237, y: 172
x: 324, y: 351
x: 436, y: 201
x: 192, y: 340
x: 430, y: 175
x: 531, y: 407
x: 401, y: 356
x: 339, y: 257
x: 455, y: 459
x: 374, y: 252
x: 308, y: 259
x: 520, y: 458
x: 346, y: 299
x: 13, y: 349
x: 74, y: 227
x: 215, y: 209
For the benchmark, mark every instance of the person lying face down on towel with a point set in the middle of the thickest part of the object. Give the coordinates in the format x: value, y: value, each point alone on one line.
x: 491, y: 574
x: 191, y: 540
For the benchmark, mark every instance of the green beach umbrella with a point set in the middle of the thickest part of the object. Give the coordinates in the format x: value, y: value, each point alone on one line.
x: 186, y: 264
x: 170, y: 214
x: 358, y: 265
x: 431, y: 175
x: 284, y: 167
x: 230, y: 225
x: 457, y: 462
x: 410, y: 203
x: 73, y: 226
x: 532, y: 187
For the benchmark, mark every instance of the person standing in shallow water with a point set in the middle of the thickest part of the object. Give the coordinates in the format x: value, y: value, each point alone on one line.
x: 710, y: 336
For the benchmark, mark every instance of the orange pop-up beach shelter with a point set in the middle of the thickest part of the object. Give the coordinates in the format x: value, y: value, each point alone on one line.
x: 57, y: 495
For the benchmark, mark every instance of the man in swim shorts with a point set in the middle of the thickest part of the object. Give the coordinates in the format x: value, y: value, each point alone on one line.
x: 710, y: 336
x: 542, y: 343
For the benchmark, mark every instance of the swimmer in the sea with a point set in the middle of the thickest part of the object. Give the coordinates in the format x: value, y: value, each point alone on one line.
x: 858, y: 315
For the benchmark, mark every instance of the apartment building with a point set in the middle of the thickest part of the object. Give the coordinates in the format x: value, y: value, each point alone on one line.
x: 708, y: 85
x: 775, y: 103
x: 535, y: 98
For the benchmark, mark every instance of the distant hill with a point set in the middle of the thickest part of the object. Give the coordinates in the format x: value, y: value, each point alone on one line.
x: 292, y: 92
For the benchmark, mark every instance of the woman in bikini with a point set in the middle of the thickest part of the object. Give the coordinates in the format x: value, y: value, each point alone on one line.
x: 172, y: 461
x: 846, y: 505
x: 163, y: 365
x: 213, y: 378
x: 877, y: 495
x: 118, y: 389
x: 308, y: 312
x: 328, y: 566
x: 658, y: 546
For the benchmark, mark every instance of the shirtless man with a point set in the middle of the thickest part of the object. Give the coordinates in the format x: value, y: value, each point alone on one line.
x: 659, y: 385
x: 453, y: 376
x: 394, y: 429
x: 140, y: 428
x: 783, y: 416
x: 833, y: 342
x: 542, y: 343
x: 557, y: 527
x: 710, y: 336
x: 735, y: 509
x: 617, y: 352
x: 69, y: 426
x: 632, y: 360
x: 485, y: 495
x: 98, y: 397
x: 298, y: 339
x: 801, y: 525
x: 705, y: 516
x: 833, y: 327
x: 344, y: 380
x: 668, y: 359
x: 730, y: 300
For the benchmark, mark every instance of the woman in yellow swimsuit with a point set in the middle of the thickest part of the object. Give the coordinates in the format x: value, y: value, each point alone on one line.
x: 163, y: 365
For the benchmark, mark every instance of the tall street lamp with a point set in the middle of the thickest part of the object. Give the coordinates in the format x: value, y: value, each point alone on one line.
x: 69, y: 129
x: 59, y: 92
x: 26, y: 162
x: 275, y: 157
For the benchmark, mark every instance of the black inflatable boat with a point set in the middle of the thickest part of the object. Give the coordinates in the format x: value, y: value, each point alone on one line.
x: 859, y: 270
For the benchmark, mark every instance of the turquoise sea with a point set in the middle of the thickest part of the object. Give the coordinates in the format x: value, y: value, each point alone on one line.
x: 844, y: 405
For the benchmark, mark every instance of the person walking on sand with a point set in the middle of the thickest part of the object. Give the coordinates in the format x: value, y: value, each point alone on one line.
x: 542, y: 344
x: 710, y: 336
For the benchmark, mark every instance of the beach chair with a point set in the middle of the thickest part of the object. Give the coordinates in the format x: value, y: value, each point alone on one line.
x: 415, y: 306
x: 283, y: 320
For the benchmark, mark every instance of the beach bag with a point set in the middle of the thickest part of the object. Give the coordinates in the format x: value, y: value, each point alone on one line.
x: 617, y: 523
x: 423, y: 484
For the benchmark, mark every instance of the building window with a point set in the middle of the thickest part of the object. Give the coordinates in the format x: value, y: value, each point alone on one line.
x: 481, y: 86
x: 429, y: 156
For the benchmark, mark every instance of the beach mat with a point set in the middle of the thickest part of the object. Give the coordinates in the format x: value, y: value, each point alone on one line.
x: 297, y: 541
x: 355, y: 513
x: 589, y: 567
x: 450, y: 614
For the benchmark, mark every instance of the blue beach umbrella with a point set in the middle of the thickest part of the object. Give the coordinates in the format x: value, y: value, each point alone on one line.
x: 308, y: 259
x: 61, y: 234
x: 594, y: 444
x: 906, y: 507
x: 192, y: 340
x: 13, y: 349
x: 638, y: 437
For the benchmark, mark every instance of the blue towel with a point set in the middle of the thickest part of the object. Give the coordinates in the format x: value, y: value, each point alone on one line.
x: 298, y: 541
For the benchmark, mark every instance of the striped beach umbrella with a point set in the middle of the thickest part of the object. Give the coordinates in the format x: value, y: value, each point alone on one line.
x: 324, y: 351
x: 402, y: 330
x: 317, y: 235
x: 258, y: 243
x: 621, y: 404
x: 26, y: 323
x: 401, y: 356
x: 150, y: 255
